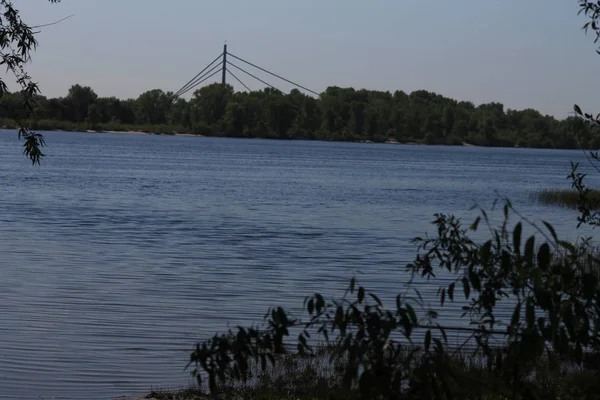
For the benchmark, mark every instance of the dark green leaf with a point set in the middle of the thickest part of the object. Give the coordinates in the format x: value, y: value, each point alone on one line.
x: 543, y: 257
x: 517, y: 238
x: 443, y: 331
x: 566, y: 245
x: 475, y: 224
x: 411, y: 313
x: 486, y: 252
x: 466, y: 287
x: 530, y: 314
x: 475, y: 281
x: 514, y: 321
x: 374, y: 297
x: 438, y: 345
x: 551, y: 230
x: 320, y: 303
x: 418, y: 294
x: 529, y: 247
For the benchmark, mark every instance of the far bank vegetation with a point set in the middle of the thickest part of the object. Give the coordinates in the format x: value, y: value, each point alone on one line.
x: 340, y: 114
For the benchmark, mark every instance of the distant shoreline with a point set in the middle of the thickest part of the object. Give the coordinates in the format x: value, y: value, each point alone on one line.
x: 189, y: 134
x: 133, y: 132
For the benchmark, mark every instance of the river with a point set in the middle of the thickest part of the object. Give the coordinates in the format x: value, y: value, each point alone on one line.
x: 119, y: 252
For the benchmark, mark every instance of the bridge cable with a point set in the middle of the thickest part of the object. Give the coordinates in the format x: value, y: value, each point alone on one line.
x: 275, y: 75
x: 238, y: 79
x: 208, y: 77
x: 200, y: 73
x: 194, y: 83
x: 255, y: 77
x: 201, y: 79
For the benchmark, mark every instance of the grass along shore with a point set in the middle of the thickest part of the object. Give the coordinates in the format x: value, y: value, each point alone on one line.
x: 178, y: 130
x: 567, y: 198
x: 111, y: 127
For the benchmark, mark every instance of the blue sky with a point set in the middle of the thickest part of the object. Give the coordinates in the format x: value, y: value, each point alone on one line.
x: 521, y: 53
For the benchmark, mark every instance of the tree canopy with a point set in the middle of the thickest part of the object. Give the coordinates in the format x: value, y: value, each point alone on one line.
x: 344, y: 114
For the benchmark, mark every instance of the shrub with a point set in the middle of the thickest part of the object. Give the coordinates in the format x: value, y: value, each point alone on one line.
x: 566, y: 198
x: 552, y: 287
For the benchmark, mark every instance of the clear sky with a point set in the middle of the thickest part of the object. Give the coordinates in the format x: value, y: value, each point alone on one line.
x: 523, y: 53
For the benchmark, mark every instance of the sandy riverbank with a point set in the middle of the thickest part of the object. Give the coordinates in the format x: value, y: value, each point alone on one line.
x: 174, y: 133
x: 145, y: 133
x: 123, y: 132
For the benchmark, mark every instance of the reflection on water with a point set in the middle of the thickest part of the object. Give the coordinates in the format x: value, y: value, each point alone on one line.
x: 120, y: 251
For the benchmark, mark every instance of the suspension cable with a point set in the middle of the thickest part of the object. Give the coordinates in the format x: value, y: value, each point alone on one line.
x: 208, y: 77
x: 275, y: 75
x: 238, y: 79
x: 196, y: 82
x: 255, y: 77
x: 200, y: 78
x: 195, y: 77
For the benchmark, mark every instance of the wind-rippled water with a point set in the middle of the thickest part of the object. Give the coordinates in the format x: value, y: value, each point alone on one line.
x: 121, y: 251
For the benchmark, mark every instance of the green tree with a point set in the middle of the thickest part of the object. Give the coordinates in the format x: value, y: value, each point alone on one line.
x: 279, y: 114
x: 487, y: 131
x: 78, y: 101
x: 448, y: 120
x: 110, y: 110
x: 124, y: 111
x: 209, y: 104
x: 338, y: 114
x: 56, y: 109
x: 309, y: 118
x: 357, y: 121
x: 461, y: 128
x: 235, y: 118
x: 153, y: 107
x: 433, y: 125
x: 179, y: 113
x: 93, y: 116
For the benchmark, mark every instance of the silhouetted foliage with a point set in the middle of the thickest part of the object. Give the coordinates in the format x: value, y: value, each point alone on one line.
x: 17, y: 40
x: 343, y: 114
x: 552, y: 289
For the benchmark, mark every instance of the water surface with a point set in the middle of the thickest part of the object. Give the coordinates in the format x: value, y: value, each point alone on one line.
x: 121, y: 251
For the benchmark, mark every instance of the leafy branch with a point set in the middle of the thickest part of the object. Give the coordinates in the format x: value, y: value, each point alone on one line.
x: 17, y: 41
x: 553, y: 289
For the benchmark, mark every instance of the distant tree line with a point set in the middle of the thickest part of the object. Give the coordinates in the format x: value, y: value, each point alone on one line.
x: 342, y: 114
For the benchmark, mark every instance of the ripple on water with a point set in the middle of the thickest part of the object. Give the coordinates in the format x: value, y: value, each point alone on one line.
x: 112, y: 266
